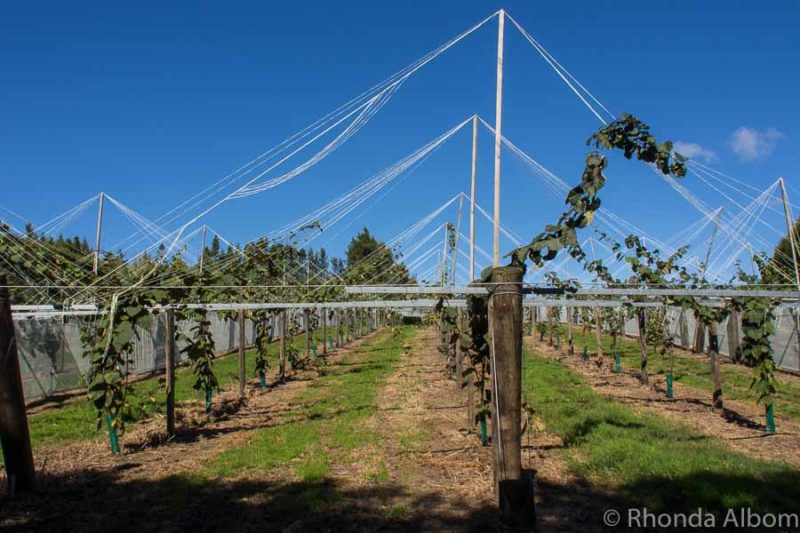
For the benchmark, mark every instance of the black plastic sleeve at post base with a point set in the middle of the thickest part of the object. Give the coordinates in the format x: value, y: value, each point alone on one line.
x: 517, y: 509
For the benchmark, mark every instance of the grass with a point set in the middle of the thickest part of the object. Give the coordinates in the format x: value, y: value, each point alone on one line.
x: 76, y: 419
x: 693, y: 371
x: 646, y: 460
x: 330, y: 420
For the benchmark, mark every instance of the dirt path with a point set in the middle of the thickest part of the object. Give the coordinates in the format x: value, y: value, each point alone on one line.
x: 740, y: 425
x: 445, y: 472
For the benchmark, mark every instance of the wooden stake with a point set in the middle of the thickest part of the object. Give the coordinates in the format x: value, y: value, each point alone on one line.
x: 598, y: 333
x: 570, y: 344
x: 307, y: 327
x: 14, y: 434
x: 498, y: 123
x: 513, y: 488
x: 242, y: 362
x: 459, y: 354
x: 282, y: 356
x: 324, y: 316
x: 337, y: 315
x: 713, y: 355
x: 170, y: 371
x: 642, y: 316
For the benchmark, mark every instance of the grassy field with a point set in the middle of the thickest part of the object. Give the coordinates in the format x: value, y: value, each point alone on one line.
x: 693, y: 371
x: 76, y: 419
x: 328, y: 423
x: 646, y: 460
x: 328, y: 419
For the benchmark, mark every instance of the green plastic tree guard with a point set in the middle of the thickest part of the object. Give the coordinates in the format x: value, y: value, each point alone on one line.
x: 770, y: 418
x: 113, y: 439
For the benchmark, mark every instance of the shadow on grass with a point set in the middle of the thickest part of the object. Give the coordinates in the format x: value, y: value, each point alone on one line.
x: 92, y: 500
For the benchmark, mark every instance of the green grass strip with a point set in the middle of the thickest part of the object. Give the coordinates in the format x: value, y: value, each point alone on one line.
x: 646, y: 460
x: 329, y: 419
x: 76, y: 419
x: 693, y: 371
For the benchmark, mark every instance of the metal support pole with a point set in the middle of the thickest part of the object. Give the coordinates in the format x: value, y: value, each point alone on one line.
x: 472, y: 200
x: 202, y: 248
x: 98, y: 233
x: 498, y: 122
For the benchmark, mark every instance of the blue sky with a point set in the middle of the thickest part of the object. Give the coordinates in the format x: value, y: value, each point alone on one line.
x: 153, y: 101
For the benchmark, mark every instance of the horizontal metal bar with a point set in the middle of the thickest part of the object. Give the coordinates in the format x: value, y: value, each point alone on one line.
x: 379, y: 289
x: 707, y: 293
x: 585, y: 291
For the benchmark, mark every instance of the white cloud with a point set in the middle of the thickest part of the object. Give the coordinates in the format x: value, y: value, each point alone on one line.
x: 750, y: 144
x: 694, y: 151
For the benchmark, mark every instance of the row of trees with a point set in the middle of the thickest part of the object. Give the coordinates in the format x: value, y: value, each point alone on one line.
x: 260, y: 271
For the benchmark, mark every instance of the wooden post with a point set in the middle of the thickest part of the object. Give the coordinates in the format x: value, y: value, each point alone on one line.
x: 307, y: 327
x: 598, y: 332
x: 170, y: 372
x: 642, y: 316
x: 282, y: 356
x: 713, y: 355
x: 570, y: 344
x: 14, y: 434
x: 459, y: 354
x: 242, y: 362
x: 513, y: 487
x: 324, y: 318
x: 337, y: 315
x: 699, y: 337
x: 734, y: 335
x: 498, y: 123
x: 549, y: 326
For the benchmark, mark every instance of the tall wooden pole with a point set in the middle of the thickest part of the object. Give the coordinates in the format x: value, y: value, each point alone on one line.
x: 98, y: 233
x: 14, y: 434
x: 170, y: 371
x: 498, y: 123
x: 513, y: 488
x: 242, y: 362
x: 472, y: 199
